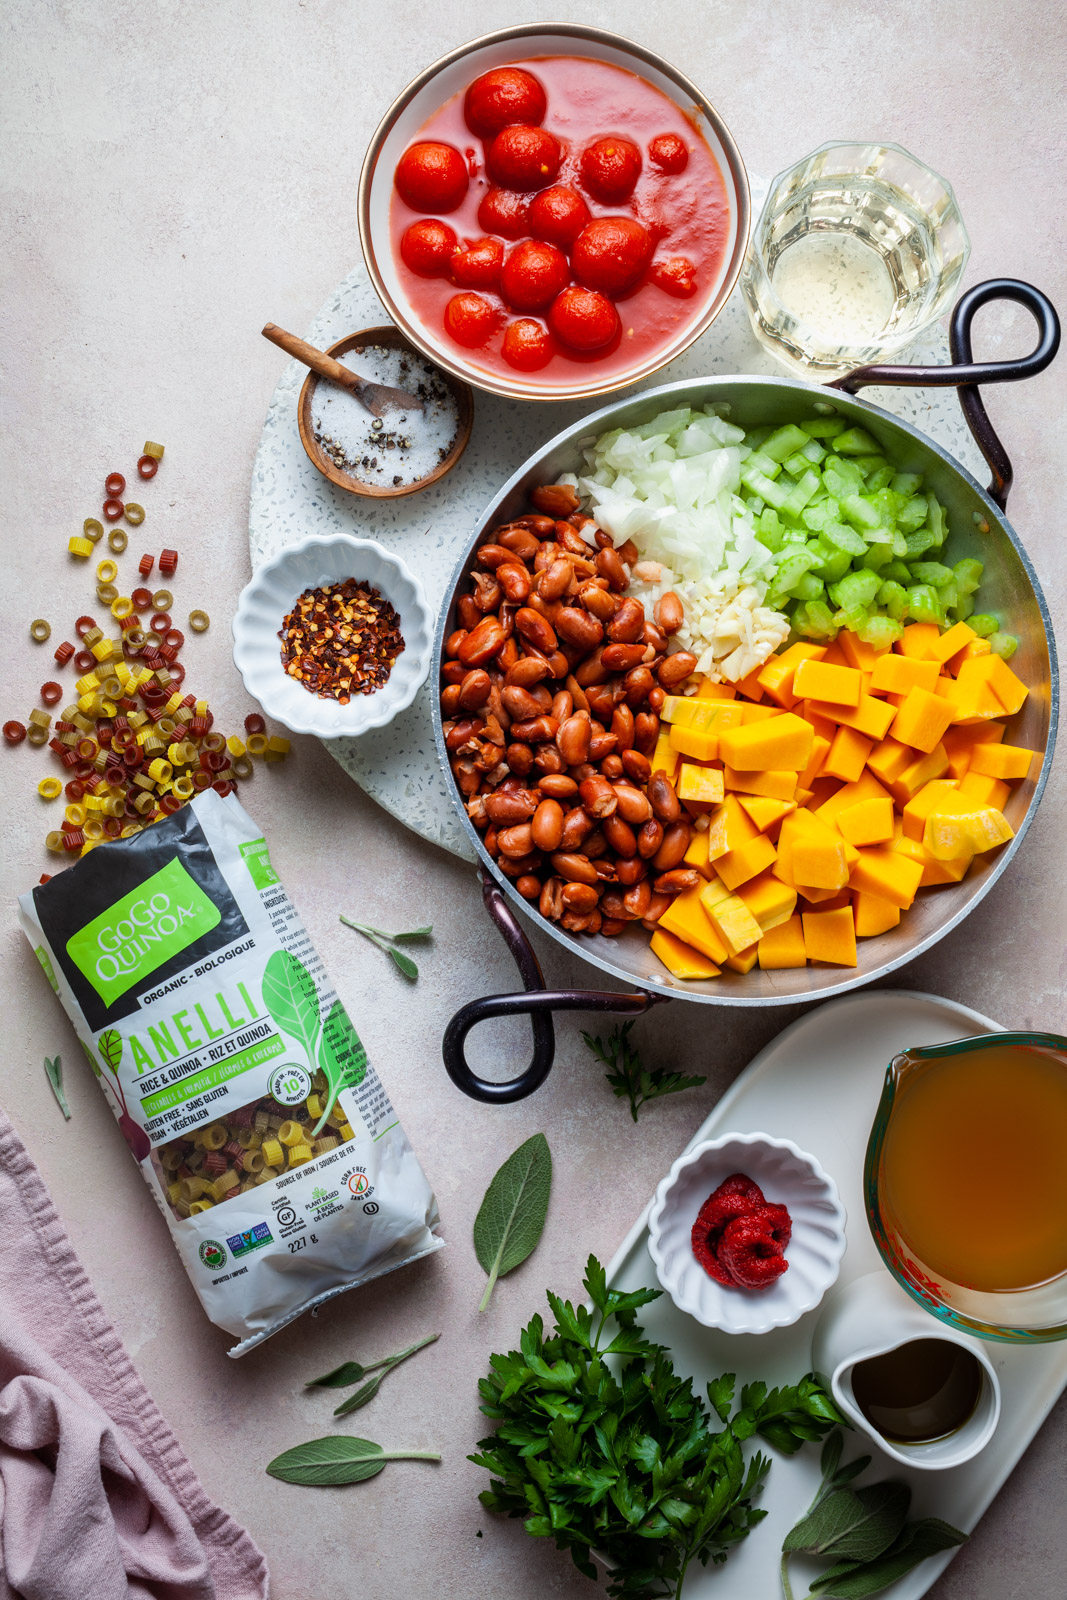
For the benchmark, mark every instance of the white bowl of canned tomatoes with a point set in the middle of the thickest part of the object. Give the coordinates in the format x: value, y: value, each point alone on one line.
x: 552, y: 212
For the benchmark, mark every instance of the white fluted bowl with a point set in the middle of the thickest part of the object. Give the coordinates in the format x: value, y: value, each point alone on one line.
x: 269, y: 597
x: 787, y: 1177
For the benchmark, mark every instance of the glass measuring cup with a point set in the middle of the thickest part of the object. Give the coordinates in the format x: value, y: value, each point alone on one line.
x: 859, y: 248
x: 1035, y: 1314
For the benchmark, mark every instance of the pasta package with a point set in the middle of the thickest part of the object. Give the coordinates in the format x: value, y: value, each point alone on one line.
x: 234, y: 1072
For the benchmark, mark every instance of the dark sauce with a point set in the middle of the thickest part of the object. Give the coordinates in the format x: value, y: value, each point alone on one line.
x: 924, y: 1390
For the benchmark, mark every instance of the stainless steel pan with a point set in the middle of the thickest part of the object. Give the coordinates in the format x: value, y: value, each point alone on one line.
x: 1010, y: 587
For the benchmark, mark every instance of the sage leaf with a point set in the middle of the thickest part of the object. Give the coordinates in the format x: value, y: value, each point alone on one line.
x: 369, y: 1390
x: 405, y: 963
x: 344, y: 1376
x: 291, y: 998
x: 830, y: 1458
x: 54, y: 1071
x: 916, y: 1542
x: 338, y: 1459
x: 415, y: 933
x: 851, y: 1524
x: 512, y: 1215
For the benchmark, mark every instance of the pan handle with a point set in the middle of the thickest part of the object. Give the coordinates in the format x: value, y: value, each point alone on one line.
x: 965, y: 374
x: 536, y: 999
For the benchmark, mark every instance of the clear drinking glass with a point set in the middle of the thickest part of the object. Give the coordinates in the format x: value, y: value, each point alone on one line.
x: 858, y: 249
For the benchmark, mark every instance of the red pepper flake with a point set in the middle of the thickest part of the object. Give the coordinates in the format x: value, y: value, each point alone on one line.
x: 341, y: 640
x: 738, y: 1238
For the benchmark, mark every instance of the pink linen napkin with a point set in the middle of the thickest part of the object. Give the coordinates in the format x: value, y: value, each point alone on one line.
x: 98, y: 1500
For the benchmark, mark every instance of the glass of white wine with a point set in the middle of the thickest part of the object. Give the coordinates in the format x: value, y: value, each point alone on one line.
x: 859, y: 248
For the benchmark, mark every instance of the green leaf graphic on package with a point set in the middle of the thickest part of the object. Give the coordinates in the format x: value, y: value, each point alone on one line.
x: 290, y: 996
x: 110, y: 1046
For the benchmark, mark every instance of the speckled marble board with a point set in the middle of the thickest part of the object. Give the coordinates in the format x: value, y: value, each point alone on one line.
x: 397, y: 765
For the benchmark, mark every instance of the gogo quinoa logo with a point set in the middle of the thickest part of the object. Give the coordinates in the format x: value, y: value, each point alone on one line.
x: 146, y: 928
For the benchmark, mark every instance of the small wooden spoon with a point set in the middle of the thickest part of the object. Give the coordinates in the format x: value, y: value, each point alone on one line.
x: 377, y: 397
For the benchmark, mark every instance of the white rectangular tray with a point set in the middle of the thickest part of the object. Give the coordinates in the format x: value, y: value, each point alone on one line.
x: 818, y: 1084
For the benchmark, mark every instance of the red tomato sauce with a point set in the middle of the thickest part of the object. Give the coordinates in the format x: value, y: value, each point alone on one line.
x: 686, y: 213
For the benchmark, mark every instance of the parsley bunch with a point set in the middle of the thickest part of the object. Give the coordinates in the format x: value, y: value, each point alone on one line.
x: 619, y: 1455
x: 630, y: 1079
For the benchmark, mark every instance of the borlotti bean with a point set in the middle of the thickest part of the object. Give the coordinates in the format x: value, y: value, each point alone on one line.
x: 238, y: 1081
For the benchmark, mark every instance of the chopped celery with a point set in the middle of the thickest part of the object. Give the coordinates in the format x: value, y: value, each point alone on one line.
x: 852, y: 618
x: 813, y: 451
x: 895, y: 599
x: 923, y: 604
x: 963, y: 608
x: 937, y: 521
x: 856, y: 589
x: 841, y: 477
x: 932, y: 572
x: 801, y: 493
x: 984, y: 625
x: 860, y: 512
x: 907, y: 483
x: 756, y: 438
x: 880, y: 632
x: 809, y: 587
x: 1003, y: 645
x: 824, y: 427
x: 831, y: 564
x: 855, y: 442
x: 814, y: 620
x: 919, y: 542
x: 775, y: 494
x: 820, y: 514
x: 877, y: 555
x: 898, y: 572
x: 793, y: 567
x: 784, y: 442
x: 844, y: 538
x: 770, y: 531
x: 796, y: 465
x: 759, y: 461
x: 947, y: 594
x: 968, y: 575
x: 880, y: 478
x: 912, y: 513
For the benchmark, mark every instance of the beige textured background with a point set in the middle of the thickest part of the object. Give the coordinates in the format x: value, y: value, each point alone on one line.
x: 174, y: 176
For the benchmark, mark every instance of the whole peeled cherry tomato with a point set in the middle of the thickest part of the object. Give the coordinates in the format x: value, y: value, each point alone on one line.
x: 676, y: 275
x: 470, y: 320
x: 533, y: 275
x: 611, y: 254
x: 502, y: 98
x: 668, y: 152
x: 504, y: 212
x: 527, y: 345
x: 611, y: 168
x: 478, y: 264
x: 524, y: 158
x: 427, y: 247
x: 558, y: 215
x: 431, y: 176
x: 583, y: 319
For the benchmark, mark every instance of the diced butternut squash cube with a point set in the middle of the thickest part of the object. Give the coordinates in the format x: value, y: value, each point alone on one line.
x: 781, y: 742
x: 769, y: 899
x: 890, y: 758
x: 818, y: 861
x: 830, y: 936
x: 824, y: 899
x: 873, y: 916
x: 745, y: 960
x: 702, y: 785
x: 887, y: 874
x: 940, y: 794
x: 895, y: 674
x: 707, y: 690
x: 764, y: 813
x: 919, y: 639
x: 1007, y: 761
x: 866, y: 787
x: 867, y: 822
x: 934, y: 872
x: 819, y: 680
x: 971, y: 699
x: 730, y: 918
x: 776, y: 785
x: 749, y: 688
x: 776, y: 676
x: 820, y: 749
x: 1009, y: 689
x: 690, y: 711
x: 822, y: 726
x: 960, y: 742
x: 665, y: 757
x: 982, y: 790
x: 783, y: 946
x: 697, y: 854
x: 700, y: 743
x: 976, y: 647
x: 762, y: 713
x: 984, y: 829
x: 858, y: 654
x: 848, y: 755
x: 681, y: 959
x: 955, y: 638
x: 872, y: 717
x: 729, y: 827
x: 686, y: 918
x: 911, y: 780
x: 746, y: 861
x: 922, y: 720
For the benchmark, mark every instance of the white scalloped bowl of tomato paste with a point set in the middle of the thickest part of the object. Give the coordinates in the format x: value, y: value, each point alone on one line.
x: 789, y: 1177
x: 597, y: 85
